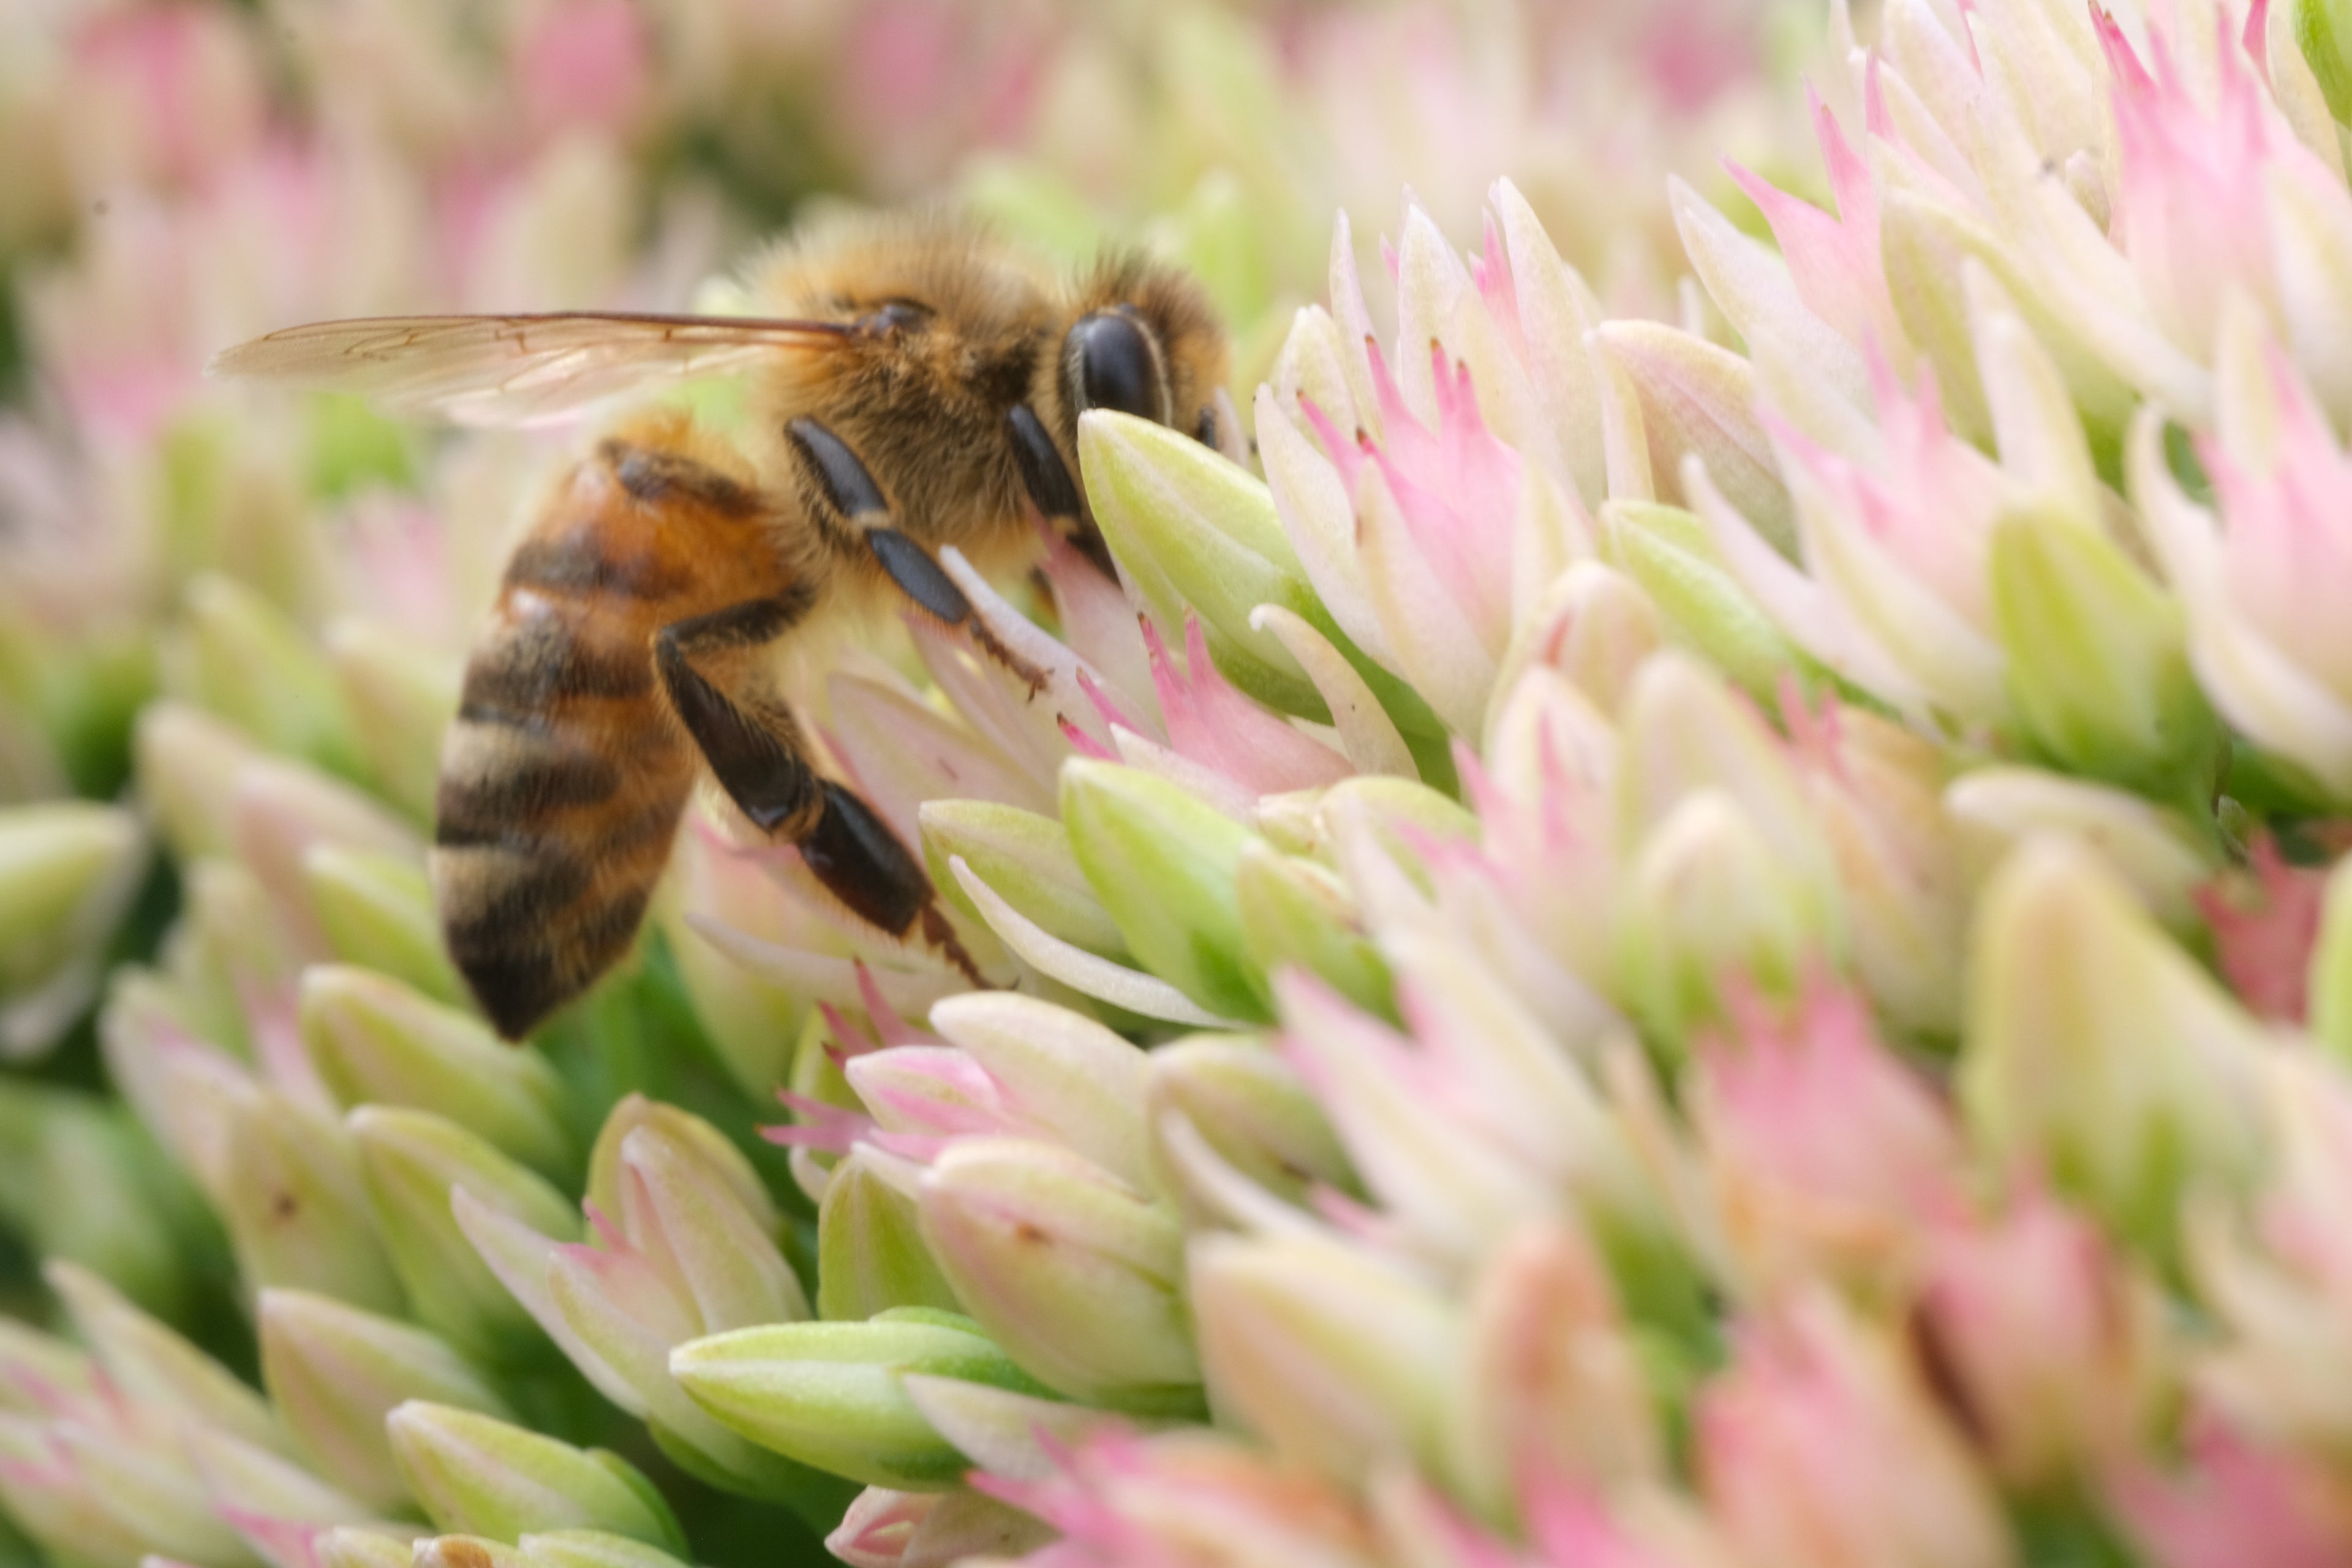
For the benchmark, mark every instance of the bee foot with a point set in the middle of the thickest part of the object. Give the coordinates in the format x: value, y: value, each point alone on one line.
x: 940, y: 935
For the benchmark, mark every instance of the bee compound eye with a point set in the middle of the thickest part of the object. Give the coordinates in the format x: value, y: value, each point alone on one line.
x: 895, y: 316
x: 1206, y: 431
x: 1115, y: 367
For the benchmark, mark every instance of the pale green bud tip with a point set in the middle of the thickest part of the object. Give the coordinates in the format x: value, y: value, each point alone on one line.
x: 411, y: 1162
x: 67, y: 872
x: 153, y: 1365
x: 1295, y: 911
x: 377, y: 910
x: 2097, y: 654
x: 1198, y: 533
x: 829, y: 1394
x: 249, y: 663
x: 1163, y: 864
x: 290, y: 1193
x: 1283, y: 1323
x: 476, y: 1475
x: 375, y: 1040
x: 719, y: 1161
x: 361, y: 1546
x: 335, y: 1372
x: 2323, y: 30
x: 187, y: 762
x: 401, y: 700
x: 1074, y: 1272
x: 871, y: 1256
x: 1027, y: 860
x: 2100, y: 1050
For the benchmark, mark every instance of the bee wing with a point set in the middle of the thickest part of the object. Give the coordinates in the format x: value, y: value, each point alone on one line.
x: 509, y: 370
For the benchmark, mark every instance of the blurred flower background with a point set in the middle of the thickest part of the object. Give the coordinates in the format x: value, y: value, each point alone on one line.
x: 1692, y: 919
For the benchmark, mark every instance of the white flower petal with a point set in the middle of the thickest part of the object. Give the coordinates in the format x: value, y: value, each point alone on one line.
x: 1318, y: 519
x: 1078, y: 969
x: 1370, y: 739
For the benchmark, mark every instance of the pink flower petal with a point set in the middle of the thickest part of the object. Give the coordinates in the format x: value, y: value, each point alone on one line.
x: 1210, y: 723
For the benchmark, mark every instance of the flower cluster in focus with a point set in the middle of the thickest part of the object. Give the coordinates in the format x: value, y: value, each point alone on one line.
x: 1697, y: 915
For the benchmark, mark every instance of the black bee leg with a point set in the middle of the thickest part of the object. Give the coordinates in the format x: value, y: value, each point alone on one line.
x: 755, y: 749
x: 749, y: 739
x: 864, y: 865
x: 1051, y: 487
x: 849, y: 490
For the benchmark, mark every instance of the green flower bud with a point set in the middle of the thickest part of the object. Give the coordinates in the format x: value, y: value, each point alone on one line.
x: 187, y: 762
x: 871, y: 1256
x: 155, y: 1369
x: 1195, y: 531
x: 1058, y: 1071
x: 334, y: 1373
x: 1295, y: 913
x: 228, y: 503
x: 239, y: 656
x: 1283, y: 1323
x: 699, y: 1236
x: 1078, y: 1276
x: 477, y: 1475
x: 1666, y: 551
x: 2099, y: 662
x: 2156, y: 851
x: 722, y: 1162
x: 2100, y: 1052
x: 1708, y: 898
x: 374, y: 1040
x: 269, y: 1500
x: 91, y: 1497
x: 2322, y: 30
x: 292, y: 1195
x: 829, y: 1394
x: 377, y: 911
x: 1027, y: 859
x: 230, y: 945
x: 1730, y: 870
x: 2331, y: 966
x: 286, y: 810
x: 1163, y: 864
x: 361, y: 1546
x: 69, y: 871
x: 411, y: 1161
x: 81, y: 1182
x: 1250, y: 1108
x: 1698, y: 399
x: 400, y: 699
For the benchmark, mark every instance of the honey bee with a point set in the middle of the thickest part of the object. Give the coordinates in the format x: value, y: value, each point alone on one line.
x: 916, y: 383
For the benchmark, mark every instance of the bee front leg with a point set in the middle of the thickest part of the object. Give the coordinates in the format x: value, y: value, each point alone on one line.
x: 849, y: 490
x: 1051, y: 487
x: 756, y: 751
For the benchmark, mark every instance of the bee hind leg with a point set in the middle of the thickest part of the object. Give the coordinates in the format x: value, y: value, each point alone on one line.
x: 862, y: 863
x: 755, y: 750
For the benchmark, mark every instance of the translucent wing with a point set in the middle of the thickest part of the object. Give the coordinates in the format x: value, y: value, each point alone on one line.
x: 510, y: 370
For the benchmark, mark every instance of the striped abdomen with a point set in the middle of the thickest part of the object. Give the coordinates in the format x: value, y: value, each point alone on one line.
x: 564, y: 776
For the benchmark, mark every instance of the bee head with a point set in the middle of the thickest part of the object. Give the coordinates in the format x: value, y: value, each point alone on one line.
x: 1153, y: 349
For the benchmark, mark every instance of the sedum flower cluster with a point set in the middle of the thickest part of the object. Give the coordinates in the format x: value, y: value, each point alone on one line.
x: 1680, y: 922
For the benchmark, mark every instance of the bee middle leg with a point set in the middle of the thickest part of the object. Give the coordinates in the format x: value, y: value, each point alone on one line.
x: 855, y: 497
x: 755, y: 749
